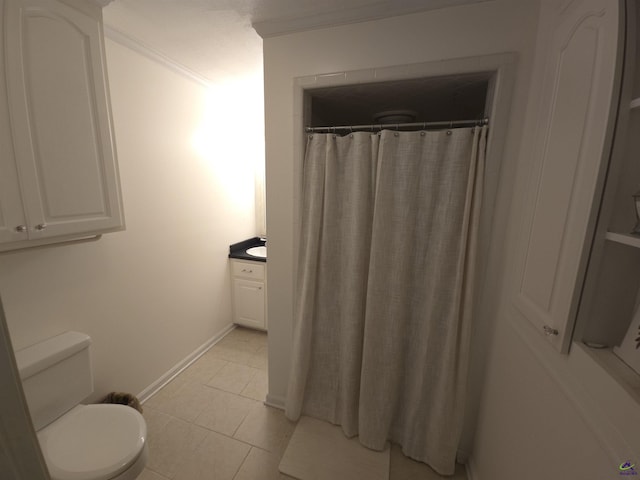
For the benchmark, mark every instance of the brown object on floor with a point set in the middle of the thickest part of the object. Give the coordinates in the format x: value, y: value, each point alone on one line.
x: 123, y: 399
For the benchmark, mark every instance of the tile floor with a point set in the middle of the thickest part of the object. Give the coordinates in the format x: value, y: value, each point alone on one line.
x: 210, y: 421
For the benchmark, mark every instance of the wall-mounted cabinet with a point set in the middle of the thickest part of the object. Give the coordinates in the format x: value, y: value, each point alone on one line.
x: 610, y: 297
x: 58, y: 170
x: 570, y: 150
x: 248, y: 285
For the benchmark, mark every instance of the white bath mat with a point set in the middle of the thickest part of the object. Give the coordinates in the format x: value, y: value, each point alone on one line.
x: 320, y: 451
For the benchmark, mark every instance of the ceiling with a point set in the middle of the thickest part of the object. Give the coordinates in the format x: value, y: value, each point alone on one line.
x: 222, y: 38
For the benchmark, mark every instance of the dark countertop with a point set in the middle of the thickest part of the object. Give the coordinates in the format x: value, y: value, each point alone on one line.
x: 239, y: 250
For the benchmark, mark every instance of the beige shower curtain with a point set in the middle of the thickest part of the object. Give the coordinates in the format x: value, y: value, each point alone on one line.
x: 385, y: 287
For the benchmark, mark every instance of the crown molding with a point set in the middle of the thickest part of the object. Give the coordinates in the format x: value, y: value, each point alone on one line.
x: 284, y: 26
x: 154, y: 55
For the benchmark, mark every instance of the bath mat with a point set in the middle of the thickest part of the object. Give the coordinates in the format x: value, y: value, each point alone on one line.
x: 320, y: 451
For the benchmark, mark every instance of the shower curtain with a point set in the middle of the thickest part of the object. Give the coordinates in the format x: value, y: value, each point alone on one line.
x: 385, y: 287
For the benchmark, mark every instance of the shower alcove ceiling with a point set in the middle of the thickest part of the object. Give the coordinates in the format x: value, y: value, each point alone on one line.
x: 439, y: 98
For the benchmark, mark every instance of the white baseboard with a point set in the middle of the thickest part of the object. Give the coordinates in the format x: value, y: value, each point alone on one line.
x: 152, y: 389
x: 274, y: 401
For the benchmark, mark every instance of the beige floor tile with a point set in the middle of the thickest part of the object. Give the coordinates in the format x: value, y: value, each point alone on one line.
x: 233, y: 377
x: 258, y: 386
x: 203, y: 369
x: 259, y: 465
x: 150, y: 475
x: 156, y: 420
x: 217, y: 457
x: 404, y: 468
x: 169, y: 446
x: 224, y: 411
x: 267, y: 428
x: 233, y: 353
x: 250, y: 343
x: 187, y: 403
x: 169, y: 390
x: 259, y: 359
x: 241, y: 334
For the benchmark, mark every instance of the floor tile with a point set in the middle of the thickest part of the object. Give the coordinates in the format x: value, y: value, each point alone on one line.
x: 267, y: 428
x: 187, y: 403
x: 203, y: 369
x: 259, y: 359
x: 259, y: 465
x: 217, y: 457
x: 224, y: 411
x: 150, y: 475
x: 258, y: 386
x: 169, y: 446
x: 210, y: 421
x: 233, y: 353
x: 156, y: 420
x: 233, y: 377
x: 168, y: 391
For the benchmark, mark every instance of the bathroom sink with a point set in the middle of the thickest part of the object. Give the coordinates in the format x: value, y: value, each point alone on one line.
x: 258, y: 251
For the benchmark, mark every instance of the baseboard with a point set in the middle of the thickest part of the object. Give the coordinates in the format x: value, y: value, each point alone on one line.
x: 274, y: 401
x: 152, y: 389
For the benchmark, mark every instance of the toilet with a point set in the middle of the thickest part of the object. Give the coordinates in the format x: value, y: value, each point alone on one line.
x: 78, y: 442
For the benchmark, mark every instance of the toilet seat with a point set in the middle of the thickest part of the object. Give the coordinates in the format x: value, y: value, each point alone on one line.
x: 93, y: 442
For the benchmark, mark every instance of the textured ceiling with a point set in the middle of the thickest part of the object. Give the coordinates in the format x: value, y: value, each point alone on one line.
x: 218, y: 38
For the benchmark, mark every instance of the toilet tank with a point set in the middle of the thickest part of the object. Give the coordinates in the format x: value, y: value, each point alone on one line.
x: 56, y: 375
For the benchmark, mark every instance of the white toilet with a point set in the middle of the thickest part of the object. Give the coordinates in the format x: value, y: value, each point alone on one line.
x: 78, y: 442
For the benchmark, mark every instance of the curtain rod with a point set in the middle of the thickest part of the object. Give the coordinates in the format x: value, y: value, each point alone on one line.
x: 396, y: 126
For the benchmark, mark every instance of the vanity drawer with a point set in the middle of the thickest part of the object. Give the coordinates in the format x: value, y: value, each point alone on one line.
x: 253, y: 270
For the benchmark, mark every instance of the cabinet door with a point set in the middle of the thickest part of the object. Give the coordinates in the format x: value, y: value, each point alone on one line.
x: 249, y: 303
x: 60, y: 119
x: 12, y: 218
x: 571, y: 147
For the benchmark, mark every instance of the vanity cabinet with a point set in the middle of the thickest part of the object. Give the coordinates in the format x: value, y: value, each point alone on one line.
x: 248, y: 285
x: 58, y: 170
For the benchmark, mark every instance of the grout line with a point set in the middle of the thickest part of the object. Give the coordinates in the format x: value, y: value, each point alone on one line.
x: 242, y: 463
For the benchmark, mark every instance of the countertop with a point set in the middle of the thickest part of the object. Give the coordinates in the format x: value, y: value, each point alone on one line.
x: 239, y: 250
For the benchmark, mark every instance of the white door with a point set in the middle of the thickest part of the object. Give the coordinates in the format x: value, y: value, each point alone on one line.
x: 570, y: 149
x: 60, y: 122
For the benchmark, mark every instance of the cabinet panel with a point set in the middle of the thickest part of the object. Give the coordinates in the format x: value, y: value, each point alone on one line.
x: 569, y: 152
x: 249, y: 303
x: 60, y: 121
x: 248, y: 270
x: 11, y: 209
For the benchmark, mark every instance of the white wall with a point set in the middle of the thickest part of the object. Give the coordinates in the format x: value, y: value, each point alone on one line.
x: 488, y: 28
x: 151, y: 295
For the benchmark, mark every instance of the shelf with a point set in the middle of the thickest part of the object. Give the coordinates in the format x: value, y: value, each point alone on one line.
x: 635, y: 103
x: 624, y: 238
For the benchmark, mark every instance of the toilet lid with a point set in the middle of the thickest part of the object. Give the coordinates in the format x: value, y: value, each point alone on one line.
x: 93, y: 442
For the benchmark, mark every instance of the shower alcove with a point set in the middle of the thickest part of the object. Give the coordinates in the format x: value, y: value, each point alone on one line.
x: 444, y: 91
x: 432, y: 99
